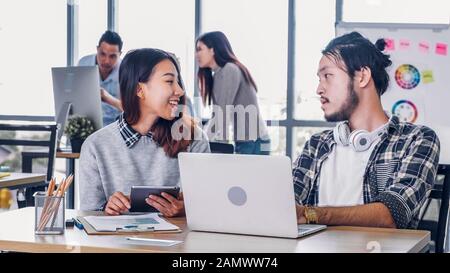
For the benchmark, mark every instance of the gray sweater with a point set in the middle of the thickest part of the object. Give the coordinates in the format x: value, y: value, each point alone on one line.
x: 231, y: 88
x: 107, y: 165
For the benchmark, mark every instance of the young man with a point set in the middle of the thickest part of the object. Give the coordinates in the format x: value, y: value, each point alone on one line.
x: 371, y: 170
x: 107, y: 58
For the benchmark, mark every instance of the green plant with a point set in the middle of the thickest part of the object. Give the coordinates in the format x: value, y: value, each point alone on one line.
x: 79, y: 127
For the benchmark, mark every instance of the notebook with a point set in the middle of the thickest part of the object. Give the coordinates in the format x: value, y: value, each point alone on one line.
x: 150, y: 222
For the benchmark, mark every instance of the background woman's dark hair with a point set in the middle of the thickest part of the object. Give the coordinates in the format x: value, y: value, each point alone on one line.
x: 223, y: 54
x: 137, y: 67
x: 358, y: 52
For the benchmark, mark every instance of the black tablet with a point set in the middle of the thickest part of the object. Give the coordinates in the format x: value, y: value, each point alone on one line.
x: 140, y: 193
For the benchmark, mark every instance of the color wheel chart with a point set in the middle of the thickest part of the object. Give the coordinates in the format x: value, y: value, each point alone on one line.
x: 407, y: 76
x: 405, y: 110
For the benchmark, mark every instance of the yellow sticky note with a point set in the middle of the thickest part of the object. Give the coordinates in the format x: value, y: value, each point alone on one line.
x: 427, y: 76
x: 4, y: 175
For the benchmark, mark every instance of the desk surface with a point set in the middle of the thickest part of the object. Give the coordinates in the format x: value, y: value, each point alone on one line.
x: 38, y: 153
x: 17, y: 234
x: 19, y: 179
x: 67, y: 155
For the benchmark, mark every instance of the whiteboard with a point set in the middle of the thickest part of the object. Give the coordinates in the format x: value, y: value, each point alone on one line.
x: 419, y: 89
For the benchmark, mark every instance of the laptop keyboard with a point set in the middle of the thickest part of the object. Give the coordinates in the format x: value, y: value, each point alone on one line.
x: 304, y: 230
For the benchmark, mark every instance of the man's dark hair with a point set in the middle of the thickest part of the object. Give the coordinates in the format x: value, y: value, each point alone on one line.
x: 357, y: 52
x: 112, y: 38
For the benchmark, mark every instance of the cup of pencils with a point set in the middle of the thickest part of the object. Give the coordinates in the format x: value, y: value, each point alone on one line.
x: 50, y: 207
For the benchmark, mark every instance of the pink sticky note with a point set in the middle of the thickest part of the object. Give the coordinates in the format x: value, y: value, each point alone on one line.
x: 441, y: 49
x: 404, y: 44
x: 390, y: 44
x: 424, y: 47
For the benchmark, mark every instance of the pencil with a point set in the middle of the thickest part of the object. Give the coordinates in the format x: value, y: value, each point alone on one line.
x: 66, y: 185
x: 53, y: 204
x: 50, y: 189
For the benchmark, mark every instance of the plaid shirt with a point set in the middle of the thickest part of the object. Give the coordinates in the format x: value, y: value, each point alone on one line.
x: 129, y: 135
x: 400, y: 172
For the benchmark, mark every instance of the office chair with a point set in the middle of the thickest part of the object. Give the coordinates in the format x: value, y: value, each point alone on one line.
x: 221, y: 148
x: 440, y: 192
x: 26, y: 166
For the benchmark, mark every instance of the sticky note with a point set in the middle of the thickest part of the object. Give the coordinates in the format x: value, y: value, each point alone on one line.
x: 427, y: 76
x: 404, y: 44
x: 424, y: 47
x: 390, y: 44
x: 441, y: 49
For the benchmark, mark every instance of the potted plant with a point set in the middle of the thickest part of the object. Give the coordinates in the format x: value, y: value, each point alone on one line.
x: 78, y: 128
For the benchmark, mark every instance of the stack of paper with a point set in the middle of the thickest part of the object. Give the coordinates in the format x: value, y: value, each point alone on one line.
x: 144, y: 222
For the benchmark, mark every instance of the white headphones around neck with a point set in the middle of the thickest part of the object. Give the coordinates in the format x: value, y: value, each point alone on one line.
x: 359, y: 140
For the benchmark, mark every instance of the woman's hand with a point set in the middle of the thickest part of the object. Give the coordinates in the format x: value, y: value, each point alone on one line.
x: 169, y: 206
x: 117, y: 204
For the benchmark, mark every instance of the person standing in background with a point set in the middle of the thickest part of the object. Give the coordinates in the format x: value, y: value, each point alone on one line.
x: 227, y: 84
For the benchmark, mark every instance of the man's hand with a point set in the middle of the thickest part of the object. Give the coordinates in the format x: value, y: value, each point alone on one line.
x: 367, y: 215
x: 301, y: 219
x: 169, y: 206
x: 117, y: 204
x: 111, y: 100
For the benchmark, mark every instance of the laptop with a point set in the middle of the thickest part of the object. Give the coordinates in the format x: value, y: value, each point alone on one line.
x: 243, y: 194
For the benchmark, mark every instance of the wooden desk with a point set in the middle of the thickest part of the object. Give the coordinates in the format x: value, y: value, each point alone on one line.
x: 17, y: 234
x: 67, y: 155
x: 21, y: 180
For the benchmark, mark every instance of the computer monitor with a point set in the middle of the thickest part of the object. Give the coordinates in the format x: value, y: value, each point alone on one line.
x: 76, y: 91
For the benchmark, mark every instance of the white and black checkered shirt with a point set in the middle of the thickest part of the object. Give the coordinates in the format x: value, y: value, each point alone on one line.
x: 129, y: 135
x: 400, y: 172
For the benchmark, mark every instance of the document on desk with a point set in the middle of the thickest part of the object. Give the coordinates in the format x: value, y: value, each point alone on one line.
x: 144, y: 222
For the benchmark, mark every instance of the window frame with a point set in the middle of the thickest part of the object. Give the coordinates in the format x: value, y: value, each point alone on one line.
x: 290, y: 123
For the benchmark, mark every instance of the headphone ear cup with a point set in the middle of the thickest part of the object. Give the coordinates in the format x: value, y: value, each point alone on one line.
x: 360, y: 140
x: 341, y: 134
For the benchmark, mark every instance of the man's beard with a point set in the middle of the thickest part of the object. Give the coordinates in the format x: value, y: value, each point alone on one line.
x: 347, y: 107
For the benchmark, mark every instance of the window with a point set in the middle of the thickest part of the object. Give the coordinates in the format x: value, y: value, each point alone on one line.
x: 320, y: 17
x: 31, y: 43
x: 168, y: 25
x: 301, y: 135
x: 277, y: 140
x: 92, y: 23
x: 257, y: 31
x: 398, y: 11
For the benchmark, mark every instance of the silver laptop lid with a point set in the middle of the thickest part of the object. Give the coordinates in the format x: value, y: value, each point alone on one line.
x: 245, y: 194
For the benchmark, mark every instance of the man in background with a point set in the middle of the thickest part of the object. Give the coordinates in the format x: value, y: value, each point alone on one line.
x: 109, y: 49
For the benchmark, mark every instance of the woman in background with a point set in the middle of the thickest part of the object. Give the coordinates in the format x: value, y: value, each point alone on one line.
x: 227, y: 84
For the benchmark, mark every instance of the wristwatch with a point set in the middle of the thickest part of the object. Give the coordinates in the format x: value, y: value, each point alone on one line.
x: 311, y: 215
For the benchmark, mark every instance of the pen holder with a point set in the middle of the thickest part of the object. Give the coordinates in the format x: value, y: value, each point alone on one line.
x: 49, y: 214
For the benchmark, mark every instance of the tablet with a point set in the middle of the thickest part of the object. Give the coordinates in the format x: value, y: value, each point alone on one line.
x: 140, y: 193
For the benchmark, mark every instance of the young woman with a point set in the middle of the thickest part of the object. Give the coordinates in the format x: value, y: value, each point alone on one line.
x: 227, y: 84
x: 140, y: 148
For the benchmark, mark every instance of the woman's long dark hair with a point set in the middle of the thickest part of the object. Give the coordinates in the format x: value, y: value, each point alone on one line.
x: 223, y: 54
x: 136, y: 67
